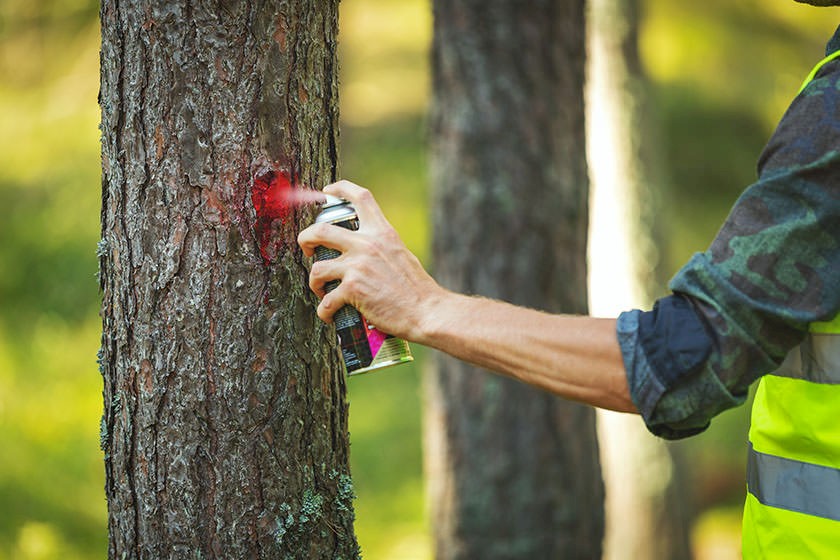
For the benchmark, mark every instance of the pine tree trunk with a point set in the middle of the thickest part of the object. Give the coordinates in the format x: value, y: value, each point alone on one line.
x: 645, y: 519
x: 225, y: 421
x: 513, y: 471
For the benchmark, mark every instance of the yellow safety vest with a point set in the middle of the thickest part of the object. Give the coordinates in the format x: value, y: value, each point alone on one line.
x: 792, y: 509
x: 793, y: 471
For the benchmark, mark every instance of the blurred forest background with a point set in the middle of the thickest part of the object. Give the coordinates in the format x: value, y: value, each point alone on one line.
x: 723, y: 72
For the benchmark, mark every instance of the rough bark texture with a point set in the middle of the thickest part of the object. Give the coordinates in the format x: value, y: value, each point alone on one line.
x: 513, y: 471
x: 225, y: 421
x: 645, y: 518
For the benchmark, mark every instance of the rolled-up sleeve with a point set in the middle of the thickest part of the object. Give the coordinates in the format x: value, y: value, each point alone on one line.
x: 665, y: 354
x: 739, y: 307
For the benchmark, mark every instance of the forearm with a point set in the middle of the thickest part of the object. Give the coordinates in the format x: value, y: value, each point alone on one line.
x: 574, y: 357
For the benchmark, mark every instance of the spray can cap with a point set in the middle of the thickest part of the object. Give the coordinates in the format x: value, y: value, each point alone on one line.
x: 335, y: 210
x: 332, y: 201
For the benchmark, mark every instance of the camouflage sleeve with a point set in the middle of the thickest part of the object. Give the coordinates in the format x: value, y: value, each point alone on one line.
x: 773, y: 268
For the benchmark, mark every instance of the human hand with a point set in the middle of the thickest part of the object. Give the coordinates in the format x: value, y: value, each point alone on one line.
x: 379, y: 275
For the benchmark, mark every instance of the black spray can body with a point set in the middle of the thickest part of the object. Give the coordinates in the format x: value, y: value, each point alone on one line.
x: 363, y: 347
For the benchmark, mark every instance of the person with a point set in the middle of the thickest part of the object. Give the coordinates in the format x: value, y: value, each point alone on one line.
x: 764, y: 297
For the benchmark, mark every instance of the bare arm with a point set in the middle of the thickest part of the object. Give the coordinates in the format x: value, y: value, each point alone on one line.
x: 574, y: 357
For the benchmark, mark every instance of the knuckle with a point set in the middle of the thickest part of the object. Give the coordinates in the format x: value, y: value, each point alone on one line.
x: 320, y: 231
x: 324, y: 314
x: 350, y: 283
x: 379, y: 245
x: 308, y: 238
x: 366, y: 242
x: 314, y: 283
x: 319, y: 275
x: 303, y: 237
x: 353, y: 285
x: 376, y: 247
x: 317, y: 270
x: 364, y: 195
x: 327, y: 308
x: 390, y: 236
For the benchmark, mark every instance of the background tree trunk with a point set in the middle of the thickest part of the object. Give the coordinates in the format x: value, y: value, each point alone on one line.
x: 513, y: 471
x: 225, y: 422
x: 645, y: 518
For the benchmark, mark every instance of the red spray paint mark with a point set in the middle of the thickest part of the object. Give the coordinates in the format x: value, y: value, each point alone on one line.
x: 271, y: 196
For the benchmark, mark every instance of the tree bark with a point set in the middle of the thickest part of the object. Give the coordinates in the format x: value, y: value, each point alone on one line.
x: 513, y: 471
x: 225, y: 421
x: 645, y: 518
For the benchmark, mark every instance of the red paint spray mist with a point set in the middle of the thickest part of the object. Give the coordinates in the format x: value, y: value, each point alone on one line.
x: 270, y: 196
x: 275, y: 195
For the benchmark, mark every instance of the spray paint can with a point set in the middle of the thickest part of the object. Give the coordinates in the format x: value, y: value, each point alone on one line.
x: 363, y: 347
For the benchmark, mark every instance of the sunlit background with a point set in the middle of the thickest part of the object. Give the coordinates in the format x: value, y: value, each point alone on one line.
x: 723, y: 72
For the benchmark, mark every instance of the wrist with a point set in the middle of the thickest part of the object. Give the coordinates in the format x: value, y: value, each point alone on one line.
x: 432, y: 316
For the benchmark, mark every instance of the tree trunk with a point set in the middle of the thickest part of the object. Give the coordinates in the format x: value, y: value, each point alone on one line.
x: 513, y: 471
x: 225, y: 421
x: 644, y: 518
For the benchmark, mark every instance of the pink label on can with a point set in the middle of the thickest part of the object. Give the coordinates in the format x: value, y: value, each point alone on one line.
x: 375, y: 338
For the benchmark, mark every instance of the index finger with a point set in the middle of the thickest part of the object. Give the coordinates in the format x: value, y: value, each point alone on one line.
x: 362, y: 200
x: 324, y: 234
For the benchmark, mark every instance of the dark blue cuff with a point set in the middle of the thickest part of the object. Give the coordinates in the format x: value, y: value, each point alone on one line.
x: 674, y: 340
x: 664, y: 353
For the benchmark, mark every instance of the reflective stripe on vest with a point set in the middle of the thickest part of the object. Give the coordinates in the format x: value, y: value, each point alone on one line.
x: 794, y: 485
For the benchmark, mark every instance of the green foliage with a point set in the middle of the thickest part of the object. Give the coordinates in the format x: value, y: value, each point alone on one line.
x: 386, y: 460
x: 51, y: 476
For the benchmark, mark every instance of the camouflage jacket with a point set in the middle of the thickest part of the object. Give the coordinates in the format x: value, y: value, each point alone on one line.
x: 773, y: 268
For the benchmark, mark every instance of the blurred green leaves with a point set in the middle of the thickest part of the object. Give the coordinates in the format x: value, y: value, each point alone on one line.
x: 723, y: 73
x: 49, y: 169
x: 50, y: 466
